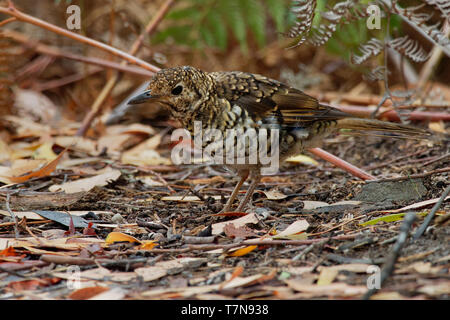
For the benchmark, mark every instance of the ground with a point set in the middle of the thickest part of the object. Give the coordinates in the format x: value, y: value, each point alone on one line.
x: 326, y: 255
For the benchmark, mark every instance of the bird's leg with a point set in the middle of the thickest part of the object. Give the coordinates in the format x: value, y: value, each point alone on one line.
x: 244, y: 176
x: 255, y: 177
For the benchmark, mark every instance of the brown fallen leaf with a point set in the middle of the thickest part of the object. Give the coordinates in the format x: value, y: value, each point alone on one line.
x: 43, y: 172
x: 218, y: 228
x: 87, y: 293
x: 242, y: 232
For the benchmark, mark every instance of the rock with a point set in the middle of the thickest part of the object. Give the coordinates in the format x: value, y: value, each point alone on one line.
x: 392, y: 191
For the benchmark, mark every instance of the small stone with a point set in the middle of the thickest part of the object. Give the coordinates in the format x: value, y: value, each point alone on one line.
x: 117, y: 218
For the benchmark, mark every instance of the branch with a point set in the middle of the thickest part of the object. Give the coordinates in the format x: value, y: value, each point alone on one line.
x: 342, y: 164
x: 56, y: 52
x: 12, y: 11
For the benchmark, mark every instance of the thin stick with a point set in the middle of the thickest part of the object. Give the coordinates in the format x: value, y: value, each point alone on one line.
x: 342, y: 164
x: 96, y: 107
x: 430, y: 216
x: 16, y: 226
x: 12, y: 11
x: 56, y: 52
x: 415, y: 176
x: 6, y: 21
x: 388, y: 268
x: 436, y: 55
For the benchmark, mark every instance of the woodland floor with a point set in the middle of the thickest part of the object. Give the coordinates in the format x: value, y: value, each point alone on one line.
x: 325, y: 253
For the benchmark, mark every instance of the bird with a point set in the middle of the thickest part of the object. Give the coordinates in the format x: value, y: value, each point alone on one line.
x: 227, y: 100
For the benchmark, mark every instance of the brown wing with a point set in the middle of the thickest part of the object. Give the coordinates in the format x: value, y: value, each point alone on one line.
x: 263, y: 97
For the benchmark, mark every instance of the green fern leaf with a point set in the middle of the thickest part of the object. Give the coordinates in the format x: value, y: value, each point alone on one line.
x: 235, y: 20
x: 218, y: 29
x: 256, y: 19
x: 277, y: 10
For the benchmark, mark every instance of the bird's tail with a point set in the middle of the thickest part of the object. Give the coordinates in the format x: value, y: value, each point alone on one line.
x: 395, y: 129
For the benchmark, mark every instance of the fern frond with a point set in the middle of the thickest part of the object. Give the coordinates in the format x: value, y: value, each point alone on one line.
x: 410, y: 48
x: 418, y: 21
x: 304, y: 11
x: 376, y: 74
x: 370, y: 49
x: 442, y: 5
x: 335, y: 16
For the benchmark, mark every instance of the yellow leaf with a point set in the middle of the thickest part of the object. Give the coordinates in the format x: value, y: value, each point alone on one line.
x: 437, y: 126
x: 120, y: 237
x: 302, y: 159
x: 148, y: 244
x: 45, y: 152
x: 242, y: 251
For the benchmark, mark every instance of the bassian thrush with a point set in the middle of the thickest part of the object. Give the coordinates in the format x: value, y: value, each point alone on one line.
x: 240, y: 100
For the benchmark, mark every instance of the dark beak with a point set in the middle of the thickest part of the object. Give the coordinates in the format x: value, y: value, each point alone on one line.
x: 141, y: 98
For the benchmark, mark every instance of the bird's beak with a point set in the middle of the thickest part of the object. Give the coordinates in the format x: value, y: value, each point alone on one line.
x: 141, y: 98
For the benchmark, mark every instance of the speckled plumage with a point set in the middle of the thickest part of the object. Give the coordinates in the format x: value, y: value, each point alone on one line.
x: 232, y: 100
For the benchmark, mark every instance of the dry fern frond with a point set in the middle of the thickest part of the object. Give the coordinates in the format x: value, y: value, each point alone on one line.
x: 371, y: 48
x: 304, y: 10
x: 418, y: 20
x: 442, y: 5
x: 409, y: 48
x: 376, y: 74
x: 319, y: 36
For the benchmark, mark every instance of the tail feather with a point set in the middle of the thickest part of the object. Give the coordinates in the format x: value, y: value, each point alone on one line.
x: 381, y: 126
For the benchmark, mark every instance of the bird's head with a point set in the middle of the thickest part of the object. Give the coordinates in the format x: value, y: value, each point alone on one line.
x: 177, y: 88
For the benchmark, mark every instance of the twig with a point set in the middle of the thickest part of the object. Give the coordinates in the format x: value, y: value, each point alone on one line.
x: 227, y: 247
x: 56, y: 52
x: 342, y: 164
x: 414, y: 176
x: 436, y: 55
x: 6, y: 21
x: 96, y: 107
x: 12, y: 11
x: 388, y: 268
x: 309, y: 249
x: 430, y: 216
x: 16, y: 226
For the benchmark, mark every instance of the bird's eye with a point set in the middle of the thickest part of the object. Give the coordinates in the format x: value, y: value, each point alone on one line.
x: 177, y: 90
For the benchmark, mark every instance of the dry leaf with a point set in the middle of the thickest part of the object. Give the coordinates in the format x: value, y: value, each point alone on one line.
x: 218, y: 228
x: 242, y: 232
x: 33, y: 104
x: 328, y: 274
x: 274, y: 195
x: 186, y: 198
x: 151, y: 273
x: 120, y: 237
x: 437, y: 126
x: 334, y: 289
x: 145, y: 154
x: 87, y: 184
x: 43, y: 172
x: 302, y: 159
x: 78, y: 143
x: 87, y: 293
x: 311, y: 205
x: 294, y: 229
x: 242, y: 251
x: 45, y: 152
